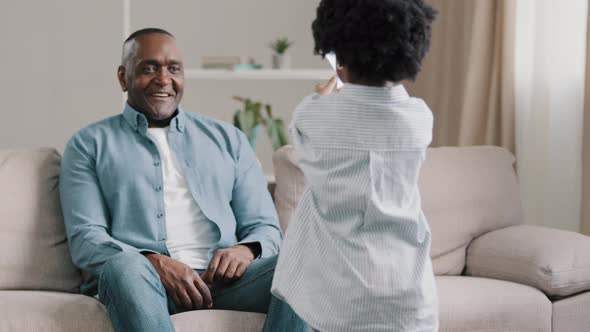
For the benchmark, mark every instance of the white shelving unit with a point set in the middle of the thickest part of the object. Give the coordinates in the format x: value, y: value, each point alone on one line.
x: 258, y: 74
x: 215, y: 74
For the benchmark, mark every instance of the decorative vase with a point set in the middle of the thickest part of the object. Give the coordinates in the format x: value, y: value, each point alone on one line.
x: 281, y: 61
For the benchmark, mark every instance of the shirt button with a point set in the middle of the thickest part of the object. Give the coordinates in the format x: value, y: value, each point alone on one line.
x: 160, y: 215
x: 158, y: 188
x: 156, y: 163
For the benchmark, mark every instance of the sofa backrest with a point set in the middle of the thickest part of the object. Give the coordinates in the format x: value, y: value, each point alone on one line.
x: 33, y: 245
x: 466, y: 192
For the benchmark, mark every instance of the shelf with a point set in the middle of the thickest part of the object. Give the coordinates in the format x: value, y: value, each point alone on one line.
x: 259, y: 74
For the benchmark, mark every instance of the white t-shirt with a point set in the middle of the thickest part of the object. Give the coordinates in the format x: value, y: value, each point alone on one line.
x: 190, y: 234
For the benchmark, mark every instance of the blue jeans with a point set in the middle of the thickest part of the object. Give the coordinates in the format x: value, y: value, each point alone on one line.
x: 136, y: 300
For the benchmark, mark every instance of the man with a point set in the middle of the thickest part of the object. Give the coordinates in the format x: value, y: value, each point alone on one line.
x: 168, y: 211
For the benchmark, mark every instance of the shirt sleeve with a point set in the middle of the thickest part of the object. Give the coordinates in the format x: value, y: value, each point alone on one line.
x: 297, y: 136
x: 85, y: 212
x: 256, y: 217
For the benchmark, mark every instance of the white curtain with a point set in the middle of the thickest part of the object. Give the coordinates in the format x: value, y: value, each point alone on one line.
x: 550, y: 77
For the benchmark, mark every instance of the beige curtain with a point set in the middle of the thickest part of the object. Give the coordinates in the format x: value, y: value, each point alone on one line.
x: 468, y: 77
x: 585, y: 222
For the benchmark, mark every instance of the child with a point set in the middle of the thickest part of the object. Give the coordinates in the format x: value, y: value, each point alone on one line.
x: 356, y: 256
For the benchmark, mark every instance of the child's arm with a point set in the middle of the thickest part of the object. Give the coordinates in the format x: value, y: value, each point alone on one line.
x: 326, y: 89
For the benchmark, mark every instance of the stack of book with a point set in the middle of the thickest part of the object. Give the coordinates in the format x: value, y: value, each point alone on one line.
x: 228, y: 62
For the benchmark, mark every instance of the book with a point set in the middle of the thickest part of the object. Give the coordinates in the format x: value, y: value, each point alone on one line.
x: 220, y: 62
x: 229, y: 63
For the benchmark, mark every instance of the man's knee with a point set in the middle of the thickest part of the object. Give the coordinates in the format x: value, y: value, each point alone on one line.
x: 267, y: 263
x: 261, y: 269
x: 125, y: 270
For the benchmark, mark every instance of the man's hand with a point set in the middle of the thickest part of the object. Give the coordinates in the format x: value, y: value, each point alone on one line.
x: 229, y: 264
x: 184, y: 285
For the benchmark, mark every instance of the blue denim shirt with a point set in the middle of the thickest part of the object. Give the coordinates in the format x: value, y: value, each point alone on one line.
x: 111, y: 187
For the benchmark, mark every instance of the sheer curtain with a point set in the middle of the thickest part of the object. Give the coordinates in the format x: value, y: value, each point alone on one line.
x: 550, y: 78
x: 512, y: 73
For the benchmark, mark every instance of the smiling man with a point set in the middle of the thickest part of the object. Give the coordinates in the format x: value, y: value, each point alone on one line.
x: 168, y: 211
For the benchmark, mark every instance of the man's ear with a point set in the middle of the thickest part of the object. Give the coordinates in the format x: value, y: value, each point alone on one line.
x: 121, y: 76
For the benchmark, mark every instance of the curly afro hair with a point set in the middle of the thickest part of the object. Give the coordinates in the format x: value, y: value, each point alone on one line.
x: 377, y: 40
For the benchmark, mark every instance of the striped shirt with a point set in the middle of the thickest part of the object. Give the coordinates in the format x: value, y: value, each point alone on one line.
x: 356, y: 255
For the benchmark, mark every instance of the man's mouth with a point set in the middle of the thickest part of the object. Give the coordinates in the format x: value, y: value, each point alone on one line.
x: 160, y: 94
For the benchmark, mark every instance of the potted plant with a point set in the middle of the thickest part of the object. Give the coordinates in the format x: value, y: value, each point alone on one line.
x: 280, y: 60
x: 251, y: 118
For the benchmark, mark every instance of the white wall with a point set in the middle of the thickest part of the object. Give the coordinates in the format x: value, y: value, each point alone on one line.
x: 60, y: 59
x: 58, y: 68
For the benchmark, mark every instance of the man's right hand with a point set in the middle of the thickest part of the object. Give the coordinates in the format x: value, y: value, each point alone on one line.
x: 184, y: 285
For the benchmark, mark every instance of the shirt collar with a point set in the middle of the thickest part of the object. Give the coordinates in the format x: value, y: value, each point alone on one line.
x: 395, y: 93
x: 138, y: 121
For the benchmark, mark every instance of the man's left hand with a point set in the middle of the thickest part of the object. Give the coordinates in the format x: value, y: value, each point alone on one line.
x: 229, y: 264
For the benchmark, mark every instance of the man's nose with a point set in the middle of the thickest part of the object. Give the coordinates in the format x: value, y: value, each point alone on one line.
x: 163, y: 77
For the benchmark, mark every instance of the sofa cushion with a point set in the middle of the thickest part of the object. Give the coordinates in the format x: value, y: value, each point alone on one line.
x: 218, y: 320
x: 571, y: 314
x: 554, y: 261
x: 289, y: 185
x: 51, y: 311
x: 466, y: 192
x: 54, y: 311
x: 479, y: 304
x: 33, y: 246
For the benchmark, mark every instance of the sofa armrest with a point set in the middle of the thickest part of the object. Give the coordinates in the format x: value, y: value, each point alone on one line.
x: 554, y: 261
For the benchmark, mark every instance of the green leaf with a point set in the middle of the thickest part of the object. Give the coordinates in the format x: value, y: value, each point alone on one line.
x: 283, y: 140
x: 251, y: 117
x: 280, y: 45
x: 276, y: 133
x: 236, y: 120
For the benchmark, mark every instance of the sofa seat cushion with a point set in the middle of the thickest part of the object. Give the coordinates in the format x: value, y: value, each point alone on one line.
x: 479, y: 304
x: 218, y: 321
x: 51, y: 311
x: 571, y: 314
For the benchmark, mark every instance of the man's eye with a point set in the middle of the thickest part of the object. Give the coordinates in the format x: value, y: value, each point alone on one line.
x: 175, y: 69
x: 149, y: 69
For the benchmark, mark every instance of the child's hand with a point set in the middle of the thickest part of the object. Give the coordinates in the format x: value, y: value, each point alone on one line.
x: 328, y: 88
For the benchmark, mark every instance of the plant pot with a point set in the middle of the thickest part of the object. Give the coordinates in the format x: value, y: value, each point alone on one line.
x: 281, y: 61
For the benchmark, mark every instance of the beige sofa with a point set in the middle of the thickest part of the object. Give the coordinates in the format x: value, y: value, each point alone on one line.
x: 493, y: 274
